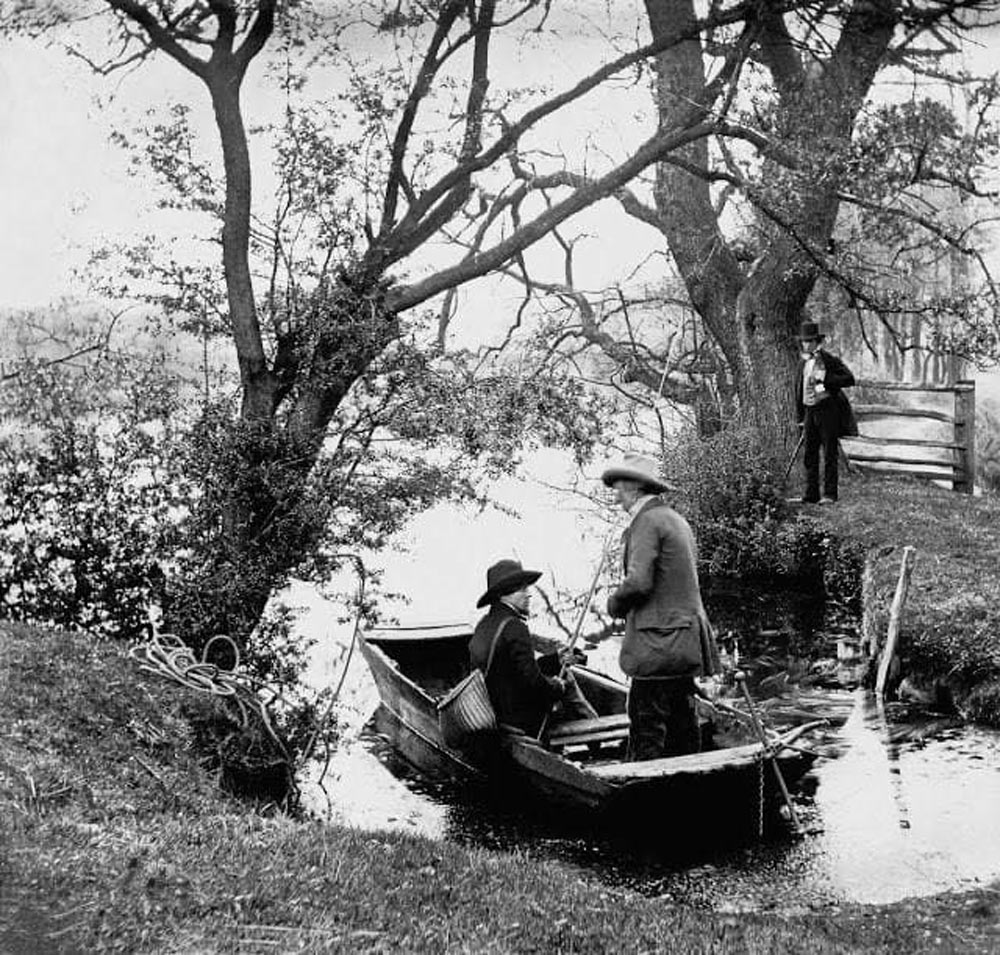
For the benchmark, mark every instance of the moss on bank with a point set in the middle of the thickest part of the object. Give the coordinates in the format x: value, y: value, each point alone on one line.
x: 950, y: 628
x: 116, y: 838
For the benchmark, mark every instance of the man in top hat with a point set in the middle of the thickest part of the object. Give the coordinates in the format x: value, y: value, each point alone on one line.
x: 668, y: 640
x: 824, y: 413
x: 501, y: 646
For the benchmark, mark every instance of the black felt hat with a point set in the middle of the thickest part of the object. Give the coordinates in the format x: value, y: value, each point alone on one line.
x: 506, y: 577
x: 809, y: 332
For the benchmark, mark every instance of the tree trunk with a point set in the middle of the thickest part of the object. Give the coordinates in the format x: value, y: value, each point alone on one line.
x: 258, y: 382
x: 683, y: 200
x: 753, y: 318
x: 767, y: 308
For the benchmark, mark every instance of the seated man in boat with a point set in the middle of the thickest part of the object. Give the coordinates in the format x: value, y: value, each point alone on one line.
x: 668, y: 640
x: 501, y: 646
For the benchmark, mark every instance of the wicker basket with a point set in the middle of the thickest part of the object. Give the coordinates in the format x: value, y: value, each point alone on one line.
x: 466, y: 709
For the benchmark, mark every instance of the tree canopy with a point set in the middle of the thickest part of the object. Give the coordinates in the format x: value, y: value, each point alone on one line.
x: 427, y: 154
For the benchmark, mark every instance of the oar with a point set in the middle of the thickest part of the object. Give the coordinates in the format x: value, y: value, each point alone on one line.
x: 783, y: 740
x: 579, y: 626
x: 768, y: 750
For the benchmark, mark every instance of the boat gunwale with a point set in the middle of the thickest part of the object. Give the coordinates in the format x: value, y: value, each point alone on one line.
x: 610, y: 775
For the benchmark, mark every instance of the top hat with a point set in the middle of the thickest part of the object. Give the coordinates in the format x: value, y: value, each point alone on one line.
x: 506, y: 577
x: 809, y: 332
x: 636, y: 467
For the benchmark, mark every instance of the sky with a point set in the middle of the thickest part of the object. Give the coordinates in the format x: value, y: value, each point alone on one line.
x: 64, y: 188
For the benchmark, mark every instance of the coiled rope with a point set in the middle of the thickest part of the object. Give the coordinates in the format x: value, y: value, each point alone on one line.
x: 167, y: 656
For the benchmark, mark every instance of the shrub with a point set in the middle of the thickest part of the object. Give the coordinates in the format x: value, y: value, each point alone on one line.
x: 730, y: 488
x: 729, y: 492
x: 983, y: 704
x: 88, y: 504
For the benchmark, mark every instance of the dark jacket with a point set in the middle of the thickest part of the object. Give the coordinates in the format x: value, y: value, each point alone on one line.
x: 838, y: 377
x: 520, y: 694
x: 667, y: 632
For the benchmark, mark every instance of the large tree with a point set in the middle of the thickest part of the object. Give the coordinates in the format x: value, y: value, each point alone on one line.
x: 816, y: 68
x: 814, y: 167
x: 427, y: 146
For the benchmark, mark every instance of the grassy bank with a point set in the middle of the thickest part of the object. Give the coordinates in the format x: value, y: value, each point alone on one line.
x: 116, y: 838
x: 951, y: 619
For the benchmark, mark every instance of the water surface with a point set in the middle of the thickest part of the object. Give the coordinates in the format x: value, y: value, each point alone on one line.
x: 899, y: 803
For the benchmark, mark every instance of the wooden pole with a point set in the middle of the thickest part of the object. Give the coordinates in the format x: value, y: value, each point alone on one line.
x: 965, y: 436
x: 576, y: 633
x: 895, y: 617
x: 769, y: 752
x: 795, y: 454
x: 586, y: 605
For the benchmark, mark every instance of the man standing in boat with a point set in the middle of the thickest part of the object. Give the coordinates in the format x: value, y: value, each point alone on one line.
x: 668, y: 640
x: 502, y: 648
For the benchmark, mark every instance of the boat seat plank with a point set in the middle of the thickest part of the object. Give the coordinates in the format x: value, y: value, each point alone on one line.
x: 732, y: 757
x: 598, y: 730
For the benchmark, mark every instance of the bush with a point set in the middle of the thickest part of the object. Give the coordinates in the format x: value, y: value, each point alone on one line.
x: 730, y: 489
x: 88, y: 504
x: 730, y: 492
x: 983, y: 704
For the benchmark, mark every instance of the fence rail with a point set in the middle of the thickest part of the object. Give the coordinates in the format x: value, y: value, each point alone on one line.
x: 869, y: 450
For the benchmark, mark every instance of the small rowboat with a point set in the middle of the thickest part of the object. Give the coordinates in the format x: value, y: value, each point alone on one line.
x: 580, y: 765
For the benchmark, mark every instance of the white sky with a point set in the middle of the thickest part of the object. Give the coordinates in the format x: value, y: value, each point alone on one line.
x: 64, y: 188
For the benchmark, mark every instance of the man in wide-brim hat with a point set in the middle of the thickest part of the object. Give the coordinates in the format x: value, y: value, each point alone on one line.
x: 668, y: 640
x: 639, y: 468
x: 824, y: 413
x: 502, y: 648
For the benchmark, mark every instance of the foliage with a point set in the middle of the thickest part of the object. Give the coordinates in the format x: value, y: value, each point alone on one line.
x: 983, y: 704
x: 119, y: 491
x: 729, y: 489
x: 729, y: 492
x: 88, y: 502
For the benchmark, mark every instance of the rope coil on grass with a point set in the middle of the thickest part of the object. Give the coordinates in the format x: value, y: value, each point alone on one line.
x: 167, y: 656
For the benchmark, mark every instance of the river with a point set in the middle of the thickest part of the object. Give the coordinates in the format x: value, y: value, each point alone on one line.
x: 901, y: 803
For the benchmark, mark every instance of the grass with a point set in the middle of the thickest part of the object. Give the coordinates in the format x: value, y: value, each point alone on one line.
x: 116, y: 838
x: 951, y: 620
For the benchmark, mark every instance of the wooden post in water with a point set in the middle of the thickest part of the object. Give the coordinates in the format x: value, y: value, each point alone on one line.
x: 965, y: 437
x: 895, y: 617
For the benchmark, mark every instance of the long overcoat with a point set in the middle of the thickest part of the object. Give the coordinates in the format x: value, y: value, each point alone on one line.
x: 667, y: 632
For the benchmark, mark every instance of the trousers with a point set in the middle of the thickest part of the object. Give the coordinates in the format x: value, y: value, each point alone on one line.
x: 662, y: 718
x: 822, y: 429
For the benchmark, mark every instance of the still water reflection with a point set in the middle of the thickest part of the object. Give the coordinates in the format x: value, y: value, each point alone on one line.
x: 898, y: 804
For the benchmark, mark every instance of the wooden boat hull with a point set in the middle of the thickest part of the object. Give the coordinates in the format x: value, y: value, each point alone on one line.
x: 724, y: 783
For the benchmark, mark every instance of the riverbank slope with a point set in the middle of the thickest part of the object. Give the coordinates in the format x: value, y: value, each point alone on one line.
x: 950, y: 627
x: 115, y: 837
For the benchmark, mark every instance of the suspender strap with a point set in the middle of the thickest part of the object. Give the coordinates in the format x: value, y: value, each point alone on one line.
x: 493, y: 645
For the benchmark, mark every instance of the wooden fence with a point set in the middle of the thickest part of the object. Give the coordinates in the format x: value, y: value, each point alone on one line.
x: 894, y: 435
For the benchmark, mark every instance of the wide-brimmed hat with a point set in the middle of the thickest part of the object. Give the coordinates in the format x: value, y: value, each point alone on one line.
x: 505, y: 577
x: 637, y: 467
x: 809, y: 332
